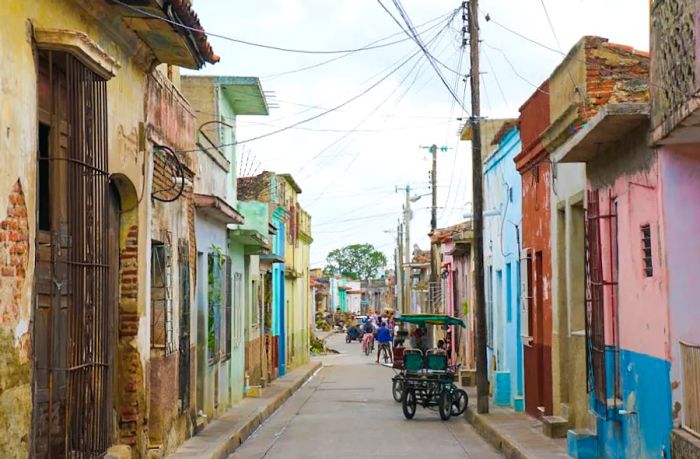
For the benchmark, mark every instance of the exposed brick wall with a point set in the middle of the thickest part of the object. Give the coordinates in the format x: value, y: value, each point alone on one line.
x: 128, y: 284
x: 14, y: 255
x: 614, y: 74
x: 130, y: 390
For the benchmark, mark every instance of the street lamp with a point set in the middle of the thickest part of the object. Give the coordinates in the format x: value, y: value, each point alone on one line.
x: 416, y: 197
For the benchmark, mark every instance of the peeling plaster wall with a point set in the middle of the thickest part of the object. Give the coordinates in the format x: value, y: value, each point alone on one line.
x: 18, y: 134
x: 629, y: 173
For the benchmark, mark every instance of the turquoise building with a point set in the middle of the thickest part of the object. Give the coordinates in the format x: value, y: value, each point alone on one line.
x: 502, y: 211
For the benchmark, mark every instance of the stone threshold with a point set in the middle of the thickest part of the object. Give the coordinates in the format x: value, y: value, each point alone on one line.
x: 516, y: 435
x: 223, y: 435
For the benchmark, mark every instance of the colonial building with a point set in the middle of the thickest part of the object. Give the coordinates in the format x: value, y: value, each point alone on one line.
x: 675, y: 134
x: 91, y: 122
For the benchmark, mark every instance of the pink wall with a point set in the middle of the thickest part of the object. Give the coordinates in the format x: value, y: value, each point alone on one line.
x: 680, y: 174
x: 641, y: 300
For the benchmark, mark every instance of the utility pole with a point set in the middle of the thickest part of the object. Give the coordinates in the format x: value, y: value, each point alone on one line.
x: 407, y: 248
x: 482, y: 384
x: 433, y: 189
x: 399, y: 269
x: 433, y: 288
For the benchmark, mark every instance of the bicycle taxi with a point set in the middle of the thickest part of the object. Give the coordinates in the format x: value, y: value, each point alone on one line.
x: 427, y: 379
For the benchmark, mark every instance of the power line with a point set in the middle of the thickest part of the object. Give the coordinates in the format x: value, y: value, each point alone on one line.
x: 411, y: 33
x: 328, y: 61
x: 524, y: 37
x: 306, y: 120
x: 258, y: 45
x: 375, y: 109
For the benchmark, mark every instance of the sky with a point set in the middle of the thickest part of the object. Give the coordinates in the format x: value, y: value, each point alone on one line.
x: 349, y: 162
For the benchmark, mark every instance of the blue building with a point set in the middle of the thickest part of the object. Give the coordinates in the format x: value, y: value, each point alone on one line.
x: 502, y: 212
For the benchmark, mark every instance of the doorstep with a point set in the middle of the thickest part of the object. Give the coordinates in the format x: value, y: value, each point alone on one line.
x: 517, y: 435
x: 224, y: 434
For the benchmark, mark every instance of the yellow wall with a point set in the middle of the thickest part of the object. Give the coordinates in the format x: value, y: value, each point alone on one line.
x: 18, y: 145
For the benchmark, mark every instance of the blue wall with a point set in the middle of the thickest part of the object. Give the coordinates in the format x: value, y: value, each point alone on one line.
x: 278, y: 295
x: 646, y: 394
x: 503, y: 191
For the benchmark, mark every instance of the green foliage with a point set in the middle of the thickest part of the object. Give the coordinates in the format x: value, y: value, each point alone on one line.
x: 317, y: 345
x: 356, y: 261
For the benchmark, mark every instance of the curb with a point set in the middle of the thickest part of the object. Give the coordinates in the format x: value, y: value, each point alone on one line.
x: 501, y: 442
x: 236, y: 437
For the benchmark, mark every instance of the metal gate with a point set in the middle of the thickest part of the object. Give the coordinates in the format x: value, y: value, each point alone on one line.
x: 183, y: 256
x: 73, y: 314
x: 596, y: 284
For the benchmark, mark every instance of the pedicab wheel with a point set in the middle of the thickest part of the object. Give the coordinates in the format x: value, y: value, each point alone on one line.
x: 460, y: 399
x: 408, y: 403
x: 397, y: 388
x: 445, y: 404
x: 367, y: 349
x: 348, y: 339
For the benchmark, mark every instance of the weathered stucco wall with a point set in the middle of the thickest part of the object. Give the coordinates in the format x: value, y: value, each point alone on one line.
x: 18, y: 81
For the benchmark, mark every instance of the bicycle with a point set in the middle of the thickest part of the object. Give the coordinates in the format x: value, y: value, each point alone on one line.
x: 368, y: 343
x: 384, y: 350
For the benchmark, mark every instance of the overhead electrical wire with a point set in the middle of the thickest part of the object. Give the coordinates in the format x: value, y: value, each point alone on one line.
x: 250, y: 43
x: 316, y: 156
x: 328, y: 61
x: 319, y: 115
x: 411, y: 33
x: 383, y: 102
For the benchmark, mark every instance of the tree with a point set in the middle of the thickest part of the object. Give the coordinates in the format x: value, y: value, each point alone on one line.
x: 356, y: 261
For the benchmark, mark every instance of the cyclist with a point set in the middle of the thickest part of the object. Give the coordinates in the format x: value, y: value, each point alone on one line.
x: 384, y: 340
x: 368, y: 337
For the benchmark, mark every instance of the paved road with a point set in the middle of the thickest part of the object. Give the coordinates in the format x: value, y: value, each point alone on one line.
x: 346, y: 411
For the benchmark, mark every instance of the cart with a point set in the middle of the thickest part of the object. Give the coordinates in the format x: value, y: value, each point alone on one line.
x: 426, y: 379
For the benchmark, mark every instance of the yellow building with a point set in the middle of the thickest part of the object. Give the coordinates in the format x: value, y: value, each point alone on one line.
x: 298, y: 305
x: 88, y: 322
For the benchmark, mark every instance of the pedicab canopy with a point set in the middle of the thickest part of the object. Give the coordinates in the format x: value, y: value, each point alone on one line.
x: 432, y: 319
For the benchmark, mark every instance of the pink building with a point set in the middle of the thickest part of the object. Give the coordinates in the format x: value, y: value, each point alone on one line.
x: 456, y: 261
x: 627, y: 286
x: 675, y: 132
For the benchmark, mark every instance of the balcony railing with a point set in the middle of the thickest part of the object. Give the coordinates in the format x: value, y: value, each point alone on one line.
x: 690, y: 367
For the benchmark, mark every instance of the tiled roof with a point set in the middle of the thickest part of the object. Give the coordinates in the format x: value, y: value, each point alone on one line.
x: 184, y: 11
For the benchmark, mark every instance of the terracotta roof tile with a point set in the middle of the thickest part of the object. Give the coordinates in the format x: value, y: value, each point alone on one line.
x: 184, y: 11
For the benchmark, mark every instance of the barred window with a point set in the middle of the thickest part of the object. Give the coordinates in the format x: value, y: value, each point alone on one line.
x: 215, y: 297
x: 162, y: 336
x: 646, y: 251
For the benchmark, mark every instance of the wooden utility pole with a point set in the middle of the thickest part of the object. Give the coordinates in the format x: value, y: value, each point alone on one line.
x: 482, y: 383
x: 433, y: 189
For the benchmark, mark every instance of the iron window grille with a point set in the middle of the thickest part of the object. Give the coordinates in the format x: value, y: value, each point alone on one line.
x: 646, y: 251
x: 227, y: 315
x: 215, y: 298
x: 162, y: 336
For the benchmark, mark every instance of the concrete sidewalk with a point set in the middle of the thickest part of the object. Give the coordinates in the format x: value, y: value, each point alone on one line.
x: 515, y: 434
x: 223, y: 435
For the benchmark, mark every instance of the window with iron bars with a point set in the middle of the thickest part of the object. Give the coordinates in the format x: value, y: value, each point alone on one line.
x: 227, y: 310
x: 646, y: 251
x: 162, y: 335
x: 215, y: 299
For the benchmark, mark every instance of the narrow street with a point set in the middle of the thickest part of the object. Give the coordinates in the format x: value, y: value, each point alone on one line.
x: 347, y: 411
